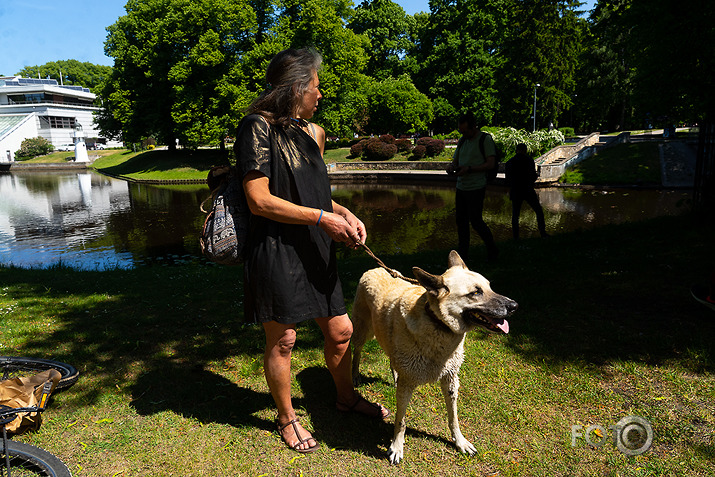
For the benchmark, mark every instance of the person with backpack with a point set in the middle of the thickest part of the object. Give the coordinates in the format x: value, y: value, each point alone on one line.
x: 473, y: 159
x: 520, y: 173
x: 290, y: 273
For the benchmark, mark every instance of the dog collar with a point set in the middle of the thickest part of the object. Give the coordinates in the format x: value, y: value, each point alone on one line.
x: 439, y: 323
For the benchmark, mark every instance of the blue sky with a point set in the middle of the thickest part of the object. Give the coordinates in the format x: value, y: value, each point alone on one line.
x: 34, y: 32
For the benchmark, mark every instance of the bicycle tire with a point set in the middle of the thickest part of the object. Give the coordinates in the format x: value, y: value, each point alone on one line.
x: 15, y: 366
x: 30, y: 461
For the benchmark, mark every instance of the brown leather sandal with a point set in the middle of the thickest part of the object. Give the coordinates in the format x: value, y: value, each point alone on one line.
x: 300, y: 439
x: 379, y: 408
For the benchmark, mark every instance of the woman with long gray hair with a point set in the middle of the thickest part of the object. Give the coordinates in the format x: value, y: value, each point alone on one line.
x: 290, y: 266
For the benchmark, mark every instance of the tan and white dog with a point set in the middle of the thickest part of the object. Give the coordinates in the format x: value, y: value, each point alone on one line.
x: 422, y: 330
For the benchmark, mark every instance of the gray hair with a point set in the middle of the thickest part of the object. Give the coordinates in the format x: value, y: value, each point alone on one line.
x: 288, y: 77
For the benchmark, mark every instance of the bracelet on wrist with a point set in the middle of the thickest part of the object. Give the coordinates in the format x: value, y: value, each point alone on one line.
x: 319, y: 218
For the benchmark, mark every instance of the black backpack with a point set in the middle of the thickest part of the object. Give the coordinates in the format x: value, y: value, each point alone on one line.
x: 491, y: 173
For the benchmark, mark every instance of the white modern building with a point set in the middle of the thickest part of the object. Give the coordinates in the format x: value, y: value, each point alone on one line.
x: 35, y: 107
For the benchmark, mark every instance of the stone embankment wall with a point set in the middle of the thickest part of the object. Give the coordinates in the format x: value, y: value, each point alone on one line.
x: 388, y: 166
x: 46, y: 166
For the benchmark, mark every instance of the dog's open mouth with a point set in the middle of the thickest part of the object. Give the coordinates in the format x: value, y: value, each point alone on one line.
x: 496, y: 325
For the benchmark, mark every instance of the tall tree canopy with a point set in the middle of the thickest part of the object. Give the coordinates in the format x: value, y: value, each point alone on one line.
x: 542, y: 46
x: 321, y: 23
x: 397, y: 107
x: 390, y: 32
x: 186, y: 69
x: 458, y: 57
x: 172, y: 60
x: 636, y: 70
x: 73, y: 72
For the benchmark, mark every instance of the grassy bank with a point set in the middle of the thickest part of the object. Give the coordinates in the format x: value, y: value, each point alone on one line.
x: 165, y: 165
x: 637, y: 163
x: 161, y: 165
x: 172, y: 382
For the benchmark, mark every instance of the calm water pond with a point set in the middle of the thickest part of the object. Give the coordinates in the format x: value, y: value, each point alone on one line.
x: 89, y: 221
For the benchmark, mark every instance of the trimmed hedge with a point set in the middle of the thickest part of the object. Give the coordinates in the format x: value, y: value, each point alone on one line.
x: 378, y: 150
x: 433, y: 146
x: 404, y: 145
x: 419, y: 151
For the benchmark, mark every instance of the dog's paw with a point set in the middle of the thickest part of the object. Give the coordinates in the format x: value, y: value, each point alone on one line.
x: 395, y: 454
x: 465, y: 447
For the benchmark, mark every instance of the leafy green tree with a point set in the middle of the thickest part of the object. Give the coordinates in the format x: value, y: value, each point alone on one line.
x: 457, y: 57
x: 633, y: 75
x: 397, y: 107
x: 175, y: 74
x: 673, y: 45
x: 390, y: 32
x: 542, y: 46
x: 73, y: 72
x: 607, y: 71
x: 321, y: 23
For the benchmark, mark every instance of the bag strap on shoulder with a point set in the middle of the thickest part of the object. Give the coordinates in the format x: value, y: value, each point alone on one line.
x: 482, y: 138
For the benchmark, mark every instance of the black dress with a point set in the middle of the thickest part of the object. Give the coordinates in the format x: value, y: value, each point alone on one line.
x: 290, y: 271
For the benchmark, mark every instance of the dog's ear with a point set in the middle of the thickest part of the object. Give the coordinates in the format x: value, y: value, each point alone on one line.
x: 433, y: 283
x: 455, y: 260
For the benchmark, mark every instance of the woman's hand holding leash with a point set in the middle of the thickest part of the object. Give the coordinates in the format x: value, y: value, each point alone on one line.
x: 346, y: 229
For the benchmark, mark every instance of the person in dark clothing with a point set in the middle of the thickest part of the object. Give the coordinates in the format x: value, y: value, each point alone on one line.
x: 470, y: 164
x: 521, y: 174
x: 290, y: 271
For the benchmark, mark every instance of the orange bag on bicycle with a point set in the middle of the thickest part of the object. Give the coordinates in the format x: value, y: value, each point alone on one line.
x: 25, y: 392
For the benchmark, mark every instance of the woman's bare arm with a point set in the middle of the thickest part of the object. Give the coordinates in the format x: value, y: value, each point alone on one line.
x: 262, y: 202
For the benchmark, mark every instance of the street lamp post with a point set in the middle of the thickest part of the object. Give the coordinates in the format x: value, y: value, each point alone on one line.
x: 537, y: 85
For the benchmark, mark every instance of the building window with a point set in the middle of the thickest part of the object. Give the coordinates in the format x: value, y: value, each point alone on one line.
x: 57, y: 122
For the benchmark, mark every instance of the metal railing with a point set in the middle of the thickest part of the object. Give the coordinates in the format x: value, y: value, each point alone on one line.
x: 44, y: 101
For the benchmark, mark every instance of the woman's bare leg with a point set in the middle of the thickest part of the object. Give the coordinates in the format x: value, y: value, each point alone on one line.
x: 337, y: 331
x: 280, y: 340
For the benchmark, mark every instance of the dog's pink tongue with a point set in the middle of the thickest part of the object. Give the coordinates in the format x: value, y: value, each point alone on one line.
x: 504, y: 326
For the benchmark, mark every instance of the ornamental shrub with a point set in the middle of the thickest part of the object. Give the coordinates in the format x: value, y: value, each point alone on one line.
x: 387, y: 139
x: 418, y: 152
x: 357, y: 148
x: 403, y: 145
x: 433, y: 147
x: 33, y: 147
x: 567, y: 131
x: 376, y: 150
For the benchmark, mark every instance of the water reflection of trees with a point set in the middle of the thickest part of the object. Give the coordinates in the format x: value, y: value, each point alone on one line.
x: 159, y: 222
x: 95, y: 218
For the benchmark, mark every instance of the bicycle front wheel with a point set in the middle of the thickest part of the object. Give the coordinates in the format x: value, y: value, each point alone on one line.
x: 15, y: 366
x: 30, y: 461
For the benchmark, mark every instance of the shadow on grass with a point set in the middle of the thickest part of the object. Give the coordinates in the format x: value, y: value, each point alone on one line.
x: 618, y: 293
x: 189, y: 390
x: 160, y: 161
x: 615, y: 293
x: 347, y: 430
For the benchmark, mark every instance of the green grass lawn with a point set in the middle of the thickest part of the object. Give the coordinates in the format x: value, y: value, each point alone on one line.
x: 162, y: 164
x: 172, y: 382
x: 165, y: 165
x: 64, y: 156
x: 52, y: 158
x: 637, y: 163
